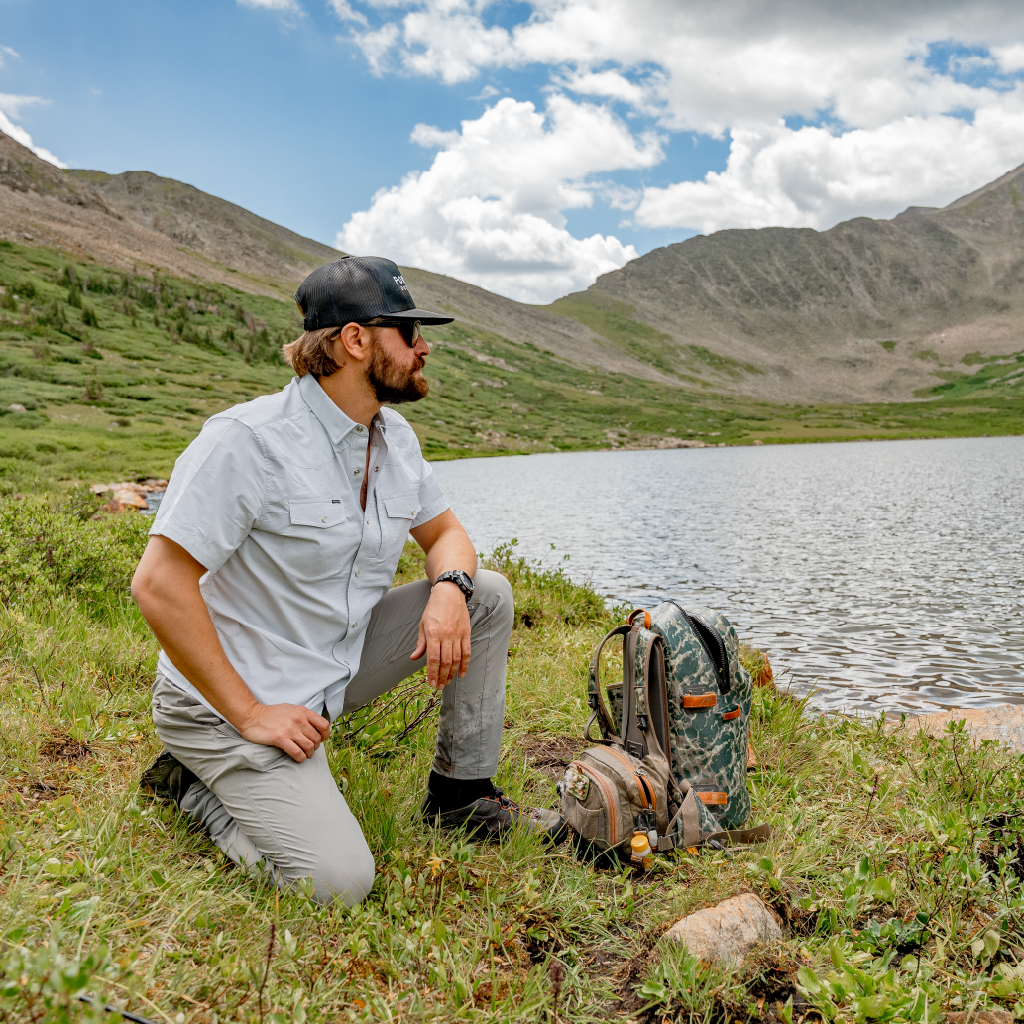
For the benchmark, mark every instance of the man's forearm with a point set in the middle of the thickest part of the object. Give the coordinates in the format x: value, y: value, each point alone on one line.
x: 171, y: 603
x: 166, y: 589
x: 452, y: 550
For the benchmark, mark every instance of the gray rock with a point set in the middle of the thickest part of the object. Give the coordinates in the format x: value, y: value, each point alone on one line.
x: 1005, y: 723
x: 17, y: 407
x: 728, y: 931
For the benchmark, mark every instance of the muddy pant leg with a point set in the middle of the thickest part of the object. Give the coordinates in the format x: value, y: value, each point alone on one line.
x: 264, y: 810
x: 472, y: 708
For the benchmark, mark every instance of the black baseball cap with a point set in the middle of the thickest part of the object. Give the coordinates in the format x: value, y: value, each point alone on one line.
x: 356, y: 289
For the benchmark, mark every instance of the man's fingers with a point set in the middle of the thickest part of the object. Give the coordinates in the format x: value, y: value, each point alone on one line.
x: 464, y: 662
x: 421, y: 645
x: 293, y: 750
x: 433, y: 660
x: 322, y: 726
x: 444, y: 671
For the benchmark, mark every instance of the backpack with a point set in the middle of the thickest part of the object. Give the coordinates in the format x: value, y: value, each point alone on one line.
x: 671, y: 760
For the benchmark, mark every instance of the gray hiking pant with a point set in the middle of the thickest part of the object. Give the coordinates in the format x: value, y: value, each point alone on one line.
x: 271, y: 814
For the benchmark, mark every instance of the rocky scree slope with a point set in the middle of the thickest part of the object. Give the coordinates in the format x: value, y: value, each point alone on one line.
x: 869, y: 310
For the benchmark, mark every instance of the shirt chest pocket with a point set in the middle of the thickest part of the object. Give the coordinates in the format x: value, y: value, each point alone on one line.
x: 321, y: 514
x: 320, y: 535
x: 396, y: 511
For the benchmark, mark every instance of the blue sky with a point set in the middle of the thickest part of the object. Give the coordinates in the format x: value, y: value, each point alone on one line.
x: 651, y: 121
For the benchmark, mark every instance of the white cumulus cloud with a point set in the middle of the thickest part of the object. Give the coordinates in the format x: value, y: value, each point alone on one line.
x: 489, y: 210
x: 814, y: 178
x: 831, y: 110
x: 10, y: 111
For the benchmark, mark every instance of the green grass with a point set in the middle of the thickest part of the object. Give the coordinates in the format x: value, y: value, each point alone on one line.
x: 896, y: 859
x: 118, y: 397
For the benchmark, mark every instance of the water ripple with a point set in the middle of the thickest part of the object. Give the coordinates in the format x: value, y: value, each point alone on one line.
x: 886, y: 575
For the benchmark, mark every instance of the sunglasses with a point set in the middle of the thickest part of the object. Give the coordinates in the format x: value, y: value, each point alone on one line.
x: 409, y: 329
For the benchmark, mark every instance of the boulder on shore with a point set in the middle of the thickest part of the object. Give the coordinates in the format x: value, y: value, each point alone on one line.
x: 728, y: 931
x: 1005, y: 723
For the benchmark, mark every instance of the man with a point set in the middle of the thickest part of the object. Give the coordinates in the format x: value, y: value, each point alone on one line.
x: 266, y: 580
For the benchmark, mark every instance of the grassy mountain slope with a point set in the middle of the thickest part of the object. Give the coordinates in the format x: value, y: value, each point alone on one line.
x: 117, y: 372
x: 868, y: 310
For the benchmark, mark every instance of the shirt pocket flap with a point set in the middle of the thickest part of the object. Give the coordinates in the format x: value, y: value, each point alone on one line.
x: 403, y: 505
x: 320, y: 513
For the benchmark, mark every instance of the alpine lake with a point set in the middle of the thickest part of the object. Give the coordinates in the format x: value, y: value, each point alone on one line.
x: 883, y: 576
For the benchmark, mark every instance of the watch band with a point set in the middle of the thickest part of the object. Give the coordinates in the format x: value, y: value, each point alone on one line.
x: 460, y: 578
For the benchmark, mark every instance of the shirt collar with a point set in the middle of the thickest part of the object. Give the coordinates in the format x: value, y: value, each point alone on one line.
x: 337, y: 423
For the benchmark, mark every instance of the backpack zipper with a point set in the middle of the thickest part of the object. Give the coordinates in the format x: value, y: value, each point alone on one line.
x: 645, y: 789
x: 720, y: 664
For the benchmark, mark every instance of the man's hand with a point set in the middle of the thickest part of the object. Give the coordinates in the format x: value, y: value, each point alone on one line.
x: 295, y: 729
x: 444, y: 635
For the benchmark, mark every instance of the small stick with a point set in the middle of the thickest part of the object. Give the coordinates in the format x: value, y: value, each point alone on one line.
x: 874, y: 790
x: 266, y: 970
x: 42, y: 691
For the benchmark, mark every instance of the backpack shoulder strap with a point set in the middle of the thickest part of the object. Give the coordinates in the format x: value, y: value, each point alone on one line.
x: 595, y: 693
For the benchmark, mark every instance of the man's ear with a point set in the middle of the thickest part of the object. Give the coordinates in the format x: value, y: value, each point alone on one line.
x: 353, y: 341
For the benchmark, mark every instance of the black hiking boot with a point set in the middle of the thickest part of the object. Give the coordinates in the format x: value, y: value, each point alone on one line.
x: 168, y: 779
x: 495, y: 816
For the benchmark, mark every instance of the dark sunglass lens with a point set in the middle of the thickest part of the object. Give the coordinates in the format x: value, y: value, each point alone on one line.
x: 410, y: 331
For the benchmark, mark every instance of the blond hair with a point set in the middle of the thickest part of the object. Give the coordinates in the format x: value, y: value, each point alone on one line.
x: 313, y: 352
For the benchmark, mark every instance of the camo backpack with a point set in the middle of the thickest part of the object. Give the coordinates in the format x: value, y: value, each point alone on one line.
x: 672, y: 757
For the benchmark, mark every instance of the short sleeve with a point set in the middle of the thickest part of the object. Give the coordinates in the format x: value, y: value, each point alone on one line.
x: 431, y: 497
x: 215, y: 493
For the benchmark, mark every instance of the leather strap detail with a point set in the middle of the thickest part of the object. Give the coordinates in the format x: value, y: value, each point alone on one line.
x: 713, y: 798
x: 730, y: 715
x: 639, y: 611
x: 743, y: 836
x: 699, y: 700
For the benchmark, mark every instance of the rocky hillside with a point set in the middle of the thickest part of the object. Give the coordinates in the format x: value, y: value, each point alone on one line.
x: 867, y: 310
x: 137, y: 221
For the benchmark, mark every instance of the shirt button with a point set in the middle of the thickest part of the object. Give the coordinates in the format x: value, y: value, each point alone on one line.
x: 359, y: 429
x: 358, y: 471
x: 376, y: 469
x: 323, y: 519
x: 354, y: 624
x: 357, y: 572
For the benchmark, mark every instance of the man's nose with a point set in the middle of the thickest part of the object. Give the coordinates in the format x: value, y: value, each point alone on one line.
x: 422, y: 348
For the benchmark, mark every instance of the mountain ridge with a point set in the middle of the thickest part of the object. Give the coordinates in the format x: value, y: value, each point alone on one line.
x: 138, y: 219
x: 869, y: 310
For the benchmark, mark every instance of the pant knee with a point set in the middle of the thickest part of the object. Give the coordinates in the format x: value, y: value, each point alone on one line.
x: 494, y: 592
x: 348, y: 878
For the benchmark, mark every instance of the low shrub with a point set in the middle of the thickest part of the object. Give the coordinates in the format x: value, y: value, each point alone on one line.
x: 48, y: 552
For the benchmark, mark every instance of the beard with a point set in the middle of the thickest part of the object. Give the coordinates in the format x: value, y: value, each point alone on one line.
x: 391, y: 384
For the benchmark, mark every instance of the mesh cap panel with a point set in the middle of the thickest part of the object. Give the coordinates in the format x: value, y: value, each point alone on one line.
x: 357, y: 289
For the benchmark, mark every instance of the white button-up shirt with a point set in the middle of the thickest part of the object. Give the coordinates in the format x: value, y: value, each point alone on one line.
x: 267, y: 499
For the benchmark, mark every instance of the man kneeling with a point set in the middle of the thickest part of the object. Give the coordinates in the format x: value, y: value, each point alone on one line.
x: 266, y: 580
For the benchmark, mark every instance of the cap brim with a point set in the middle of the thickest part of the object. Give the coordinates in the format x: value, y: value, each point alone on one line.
x: 423, y: 315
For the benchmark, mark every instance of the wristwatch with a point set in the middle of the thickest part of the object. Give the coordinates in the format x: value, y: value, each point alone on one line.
x: 461, y: 579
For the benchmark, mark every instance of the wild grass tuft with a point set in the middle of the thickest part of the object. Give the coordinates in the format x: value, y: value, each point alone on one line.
x: 895, y: 864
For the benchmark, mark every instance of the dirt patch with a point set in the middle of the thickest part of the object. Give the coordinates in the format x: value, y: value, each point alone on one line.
x: 551, y: 755
x: 64, y: 748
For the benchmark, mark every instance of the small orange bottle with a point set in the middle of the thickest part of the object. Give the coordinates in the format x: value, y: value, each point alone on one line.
x: 640, y: 851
